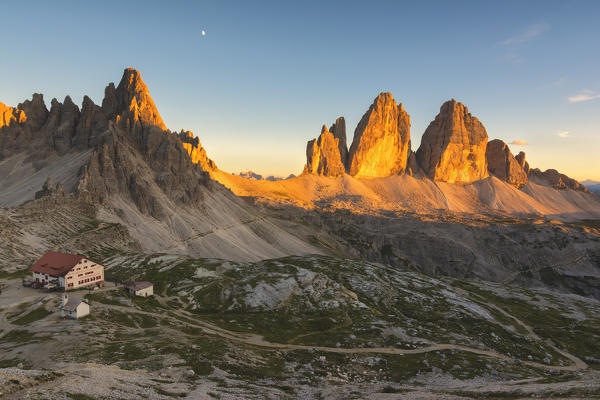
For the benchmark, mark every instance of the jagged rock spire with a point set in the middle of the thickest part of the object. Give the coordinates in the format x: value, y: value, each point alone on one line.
x: 130, y: 102
x: 381, y: 141
x: 324, y: 155
x: 338, y: 128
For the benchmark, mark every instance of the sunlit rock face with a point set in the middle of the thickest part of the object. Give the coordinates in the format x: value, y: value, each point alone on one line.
x: 10, y: 115
x: 324, y: 155
x: 197, y: 153
x: 130, y: 103
x: 503, y: 165
x: 453, y: 146
x: 381, y: 141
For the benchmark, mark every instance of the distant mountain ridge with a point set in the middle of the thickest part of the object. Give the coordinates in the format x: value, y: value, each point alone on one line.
x: 594, y: 186
x: 258, y: 177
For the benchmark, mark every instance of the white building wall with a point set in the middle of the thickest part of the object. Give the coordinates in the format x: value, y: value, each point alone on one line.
x: 85, y: 273
x: 149, y: 291
x: 82, y: 310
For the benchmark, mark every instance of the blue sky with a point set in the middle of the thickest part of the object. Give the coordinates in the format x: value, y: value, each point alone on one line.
x: 267, y: 75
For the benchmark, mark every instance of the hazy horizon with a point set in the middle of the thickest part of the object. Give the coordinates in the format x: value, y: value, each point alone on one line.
x: 260, y: 84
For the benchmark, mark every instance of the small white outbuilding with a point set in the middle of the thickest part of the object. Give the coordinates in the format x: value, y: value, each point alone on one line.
x: 143, y: 289
x: 73, y: 308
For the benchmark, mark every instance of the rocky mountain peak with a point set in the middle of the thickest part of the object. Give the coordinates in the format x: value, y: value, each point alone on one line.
x: 130, y: 101
x: 381, y: 141
x: 324, y: 155
x: 35, y: 110
x: 453, y: 146
x: 338, y: 128
x: 503, y: 165
x: 522, y: 161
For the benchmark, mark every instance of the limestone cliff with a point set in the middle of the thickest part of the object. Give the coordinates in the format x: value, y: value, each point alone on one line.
x: 130, y: 103
x: 503, y: 165
x: 10, y: 116
x: 194, y: 148
x: 453, y: 146
x: 338, y: 128
x: 381, y: 141
x: 324, y: 155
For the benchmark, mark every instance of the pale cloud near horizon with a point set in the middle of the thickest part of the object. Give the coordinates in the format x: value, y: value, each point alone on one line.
x: 584, y: 95
x: 518, y: 142
x: 530, y: 33
x: 564, y: 134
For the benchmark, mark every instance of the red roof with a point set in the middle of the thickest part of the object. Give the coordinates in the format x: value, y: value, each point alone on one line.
x: 54, y: 263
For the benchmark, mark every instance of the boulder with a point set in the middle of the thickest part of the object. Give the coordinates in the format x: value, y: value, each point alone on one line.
x: 381, y: 143
x: 453, y: 146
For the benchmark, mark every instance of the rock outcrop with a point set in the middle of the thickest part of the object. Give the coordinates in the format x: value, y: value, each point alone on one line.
x: 453, y: 146
x: 555, y: 179
x: 339, y: 132
x: 10, y: 116
x: 130, y: 103
x: 324, y: 155
x: 49, y: 190
x: 381, y: 143
x: 197, y: 153
x: 550, y: 177
x: 503, y: 165
x: 522, y: 161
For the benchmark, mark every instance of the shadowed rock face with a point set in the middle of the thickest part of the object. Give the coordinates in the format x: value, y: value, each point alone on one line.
x: 339, y: 132
x: 557, y: 180
x: 132, y: 150
x: 549, y: 177
x: 324, y: 155
x: 522, y: 162
x: 31, y: 127
x: 503, y: 165
x: 453, y: 146
x: 381, y: 143
x: 138, y: 158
